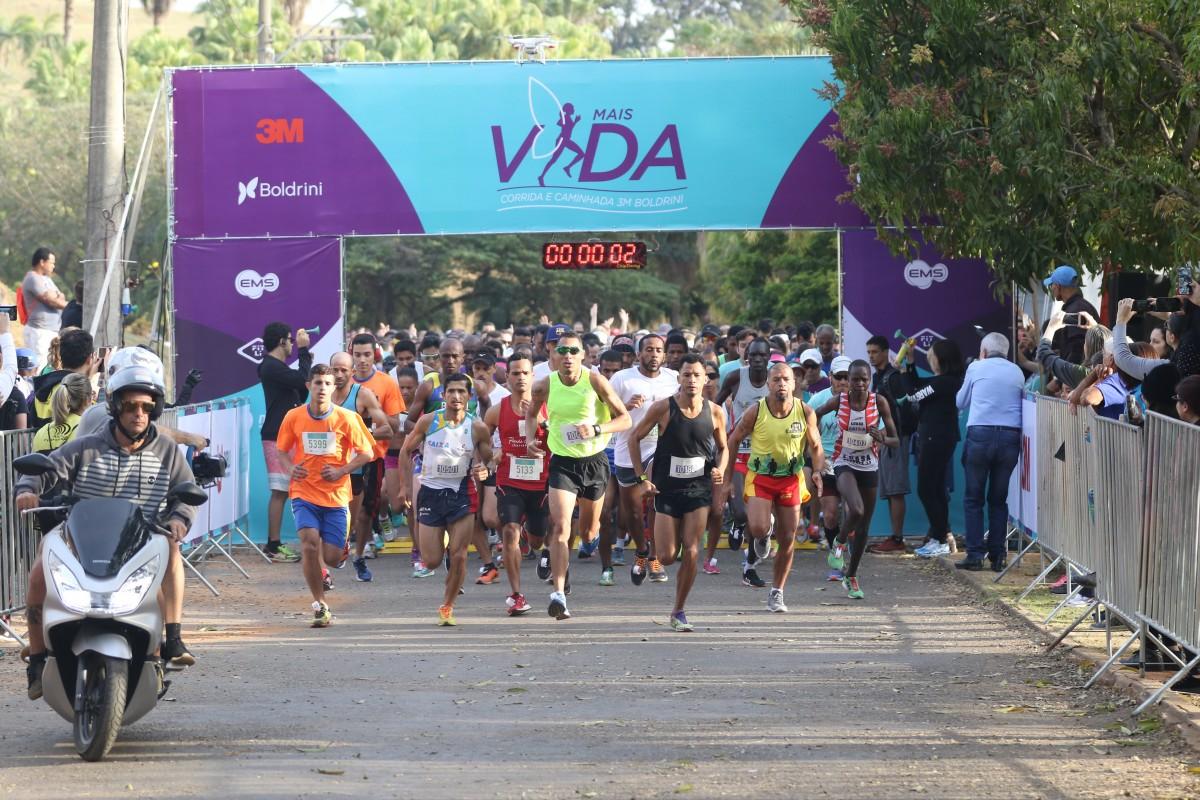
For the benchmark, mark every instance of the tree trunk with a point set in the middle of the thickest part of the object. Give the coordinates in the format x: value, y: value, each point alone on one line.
x: 68, y: 18
x: 106, y: 171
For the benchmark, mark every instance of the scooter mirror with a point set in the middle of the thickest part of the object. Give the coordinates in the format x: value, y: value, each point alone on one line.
x: 188, y: 493
x: 33, y: 464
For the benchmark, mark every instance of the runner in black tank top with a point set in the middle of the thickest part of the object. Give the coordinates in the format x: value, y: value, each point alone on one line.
x: 691, y: 455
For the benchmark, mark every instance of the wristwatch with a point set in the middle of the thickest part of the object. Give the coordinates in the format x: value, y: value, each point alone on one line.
x: 643, y: 478
x: 596, y: 429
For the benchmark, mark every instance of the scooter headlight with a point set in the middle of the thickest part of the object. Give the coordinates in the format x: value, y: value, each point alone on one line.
x: 132, y: 591
x: 125, y: 599
x: 69, y: 591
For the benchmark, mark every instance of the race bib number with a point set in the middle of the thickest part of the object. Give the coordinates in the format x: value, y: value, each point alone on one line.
x: 525, y: 469
x: 856, y: 441
x: 319, y: 443
x: 687, y: 467
x: 744, y: 446
x: 570, y: 434
x: 451, y: 467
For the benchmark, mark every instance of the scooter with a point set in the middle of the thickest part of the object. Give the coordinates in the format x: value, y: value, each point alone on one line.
x: 101, y: 619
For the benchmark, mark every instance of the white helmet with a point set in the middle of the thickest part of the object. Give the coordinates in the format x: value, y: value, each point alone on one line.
x: 138, y: 378
x: 136, y: 357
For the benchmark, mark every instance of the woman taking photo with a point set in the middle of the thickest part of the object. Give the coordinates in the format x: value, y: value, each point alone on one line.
x: 936, y: 438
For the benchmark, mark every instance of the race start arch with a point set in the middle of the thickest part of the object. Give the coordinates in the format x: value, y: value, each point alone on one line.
x: 271, y: 167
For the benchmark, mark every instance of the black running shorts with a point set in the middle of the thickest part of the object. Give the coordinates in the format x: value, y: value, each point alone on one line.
x: 584, y: 477
x: 523, y: 505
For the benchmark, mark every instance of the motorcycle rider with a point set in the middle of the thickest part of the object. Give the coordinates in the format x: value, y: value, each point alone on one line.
x: 129, y: 460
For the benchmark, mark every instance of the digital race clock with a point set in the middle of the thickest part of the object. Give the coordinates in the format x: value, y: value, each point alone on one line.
x: 594, y: 255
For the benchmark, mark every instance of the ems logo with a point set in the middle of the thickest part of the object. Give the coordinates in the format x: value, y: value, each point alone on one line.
x: 923, y: 275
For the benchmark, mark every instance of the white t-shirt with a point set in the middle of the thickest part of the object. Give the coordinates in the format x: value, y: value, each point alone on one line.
x: 629, y: 383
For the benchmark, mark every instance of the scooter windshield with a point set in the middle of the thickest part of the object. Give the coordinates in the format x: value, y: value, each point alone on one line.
x: 105, y: 533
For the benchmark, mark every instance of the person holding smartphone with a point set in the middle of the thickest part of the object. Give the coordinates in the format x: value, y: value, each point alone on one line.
x: 1063, y: 285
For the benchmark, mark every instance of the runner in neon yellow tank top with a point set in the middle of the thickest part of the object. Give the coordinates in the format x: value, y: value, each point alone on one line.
x: 582, y: 411
x: 780, y: 427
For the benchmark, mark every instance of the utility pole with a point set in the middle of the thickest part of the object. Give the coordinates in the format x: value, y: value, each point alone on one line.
x: 106, y: 169
x: 266, y: 51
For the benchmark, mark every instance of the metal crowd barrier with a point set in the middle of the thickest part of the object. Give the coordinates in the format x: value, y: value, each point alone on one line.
x: 18, y: 540
x: 1169, y: 589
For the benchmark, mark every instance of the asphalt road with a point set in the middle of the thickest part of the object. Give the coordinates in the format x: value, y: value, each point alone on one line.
x: 918, y: 691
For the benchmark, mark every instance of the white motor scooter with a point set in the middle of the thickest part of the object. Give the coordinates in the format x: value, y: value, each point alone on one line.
x: 101, y: 618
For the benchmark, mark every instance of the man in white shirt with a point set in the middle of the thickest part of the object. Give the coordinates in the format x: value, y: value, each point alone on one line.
x: 44, y: 304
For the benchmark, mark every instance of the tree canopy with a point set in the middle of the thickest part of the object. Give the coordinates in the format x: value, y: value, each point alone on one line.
x: 1028, y: 132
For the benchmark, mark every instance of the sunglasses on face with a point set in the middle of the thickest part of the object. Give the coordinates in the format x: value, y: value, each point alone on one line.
x: 132, y: 406
x: 431, y: 357
x: 712, y: 376
x: 842, y: 376
x: 562, y: 351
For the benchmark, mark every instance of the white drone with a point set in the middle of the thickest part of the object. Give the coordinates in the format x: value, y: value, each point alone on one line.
x: 529, y: 47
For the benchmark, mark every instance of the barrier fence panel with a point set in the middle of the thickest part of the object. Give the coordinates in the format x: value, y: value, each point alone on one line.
x: 18, y: 541
x: 1169, y: 588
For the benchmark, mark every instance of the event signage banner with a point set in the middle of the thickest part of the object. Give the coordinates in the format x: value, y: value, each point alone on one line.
x: 227, y: 291
x: 926, y: 297
x: 496, y: 147
x: 1023, y: 485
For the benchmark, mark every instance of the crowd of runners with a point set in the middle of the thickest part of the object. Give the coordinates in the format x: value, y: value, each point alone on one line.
x: 560, y: 447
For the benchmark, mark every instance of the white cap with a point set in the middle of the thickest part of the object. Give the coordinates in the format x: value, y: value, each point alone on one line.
x: 812, y: 354
x: 840, y: 364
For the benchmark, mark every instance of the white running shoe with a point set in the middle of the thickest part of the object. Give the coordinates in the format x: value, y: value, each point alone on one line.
x: 775, y: 602
x: 935, y: 549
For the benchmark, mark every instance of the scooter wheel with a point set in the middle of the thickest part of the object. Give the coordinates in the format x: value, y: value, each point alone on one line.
x: 103, y: 685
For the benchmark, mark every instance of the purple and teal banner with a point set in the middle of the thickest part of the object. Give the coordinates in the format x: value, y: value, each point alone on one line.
x: 493, y: 147
x: 227, y: 291
x: 926, y: 296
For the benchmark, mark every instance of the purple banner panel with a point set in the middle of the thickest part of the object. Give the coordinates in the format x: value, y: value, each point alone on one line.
x: 227, y: 291
x: 928, y: 297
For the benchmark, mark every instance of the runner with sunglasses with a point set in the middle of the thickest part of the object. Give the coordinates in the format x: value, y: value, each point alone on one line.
x: 582, y: 412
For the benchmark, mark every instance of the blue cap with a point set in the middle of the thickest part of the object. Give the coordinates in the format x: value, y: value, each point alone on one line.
x: 1063, y: 276
x: 557, y: 330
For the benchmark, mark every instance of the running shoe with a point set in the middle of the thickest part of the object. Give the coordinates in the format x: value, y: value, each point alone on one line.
x: 637, y: 573
x: 934, y: 549
x: 446, y: 616
x: 679, y: 622
x: 762, y: 547
x: 361, y: 573
x: 33, y: 673
x: 814, y: 533
x: 606, y: 577
x: 558, y: 606
x: 369, y: 550
x: 175, y: 654
x: 835, y: 575
x: 737, y: 535
x: 326, y: 580
x: 543, y: 566
x: 657, y: 573
x: 588, y: 549
x: 618, y: 556
x: 516, y: 604
x: 284, y: 555
x: 923, y: 550
x: 422, y: 571
x: 380, y: 542
x: 775, y: 602
x: 888, y: 546
x: 750, y: 578
x: 488, y: 575
x: 837, y: 557
x: 711, y: 568
x: 321, y: 615
x: 853, y: 591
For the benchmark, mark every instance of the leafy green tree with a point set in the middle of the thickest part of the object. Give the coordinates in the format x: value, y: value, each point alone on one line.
x: 25, y: 35
x: 1028, y: 132
x: 229, y: 34
x: 61, y: 74
x: 789, y: 276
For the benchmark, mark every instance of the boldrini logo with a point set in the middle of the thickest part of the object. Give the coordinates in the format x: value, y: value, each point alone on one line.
x: 921, y: 275
x: 250, y: 284
x: 255, y: 189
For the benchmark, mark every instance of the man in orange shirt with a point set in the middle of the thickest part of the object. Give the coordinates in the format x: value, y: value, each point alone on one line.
x: 320, y: 445
x: 385, y: 388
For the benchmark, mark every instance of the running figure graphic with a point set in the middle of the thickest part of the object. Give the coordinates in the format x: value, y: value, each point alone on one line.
x: 567, y: 120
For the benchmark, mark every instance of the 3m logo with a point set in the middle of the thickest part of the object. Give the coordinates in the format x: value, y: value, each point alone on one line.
x: 923, y: 275
x: 280, y: 131
x: 250, y: 284
x: 247, y: 190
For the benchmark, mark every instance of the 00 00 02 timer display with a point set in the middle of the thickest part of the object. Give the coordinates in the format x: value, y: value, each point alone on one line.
x: 594, y: 255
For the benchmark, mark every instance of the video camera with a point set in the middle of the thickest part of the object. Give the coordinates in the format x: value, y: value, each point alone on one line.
x: 207, y: 469
x: 1167, y: 304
